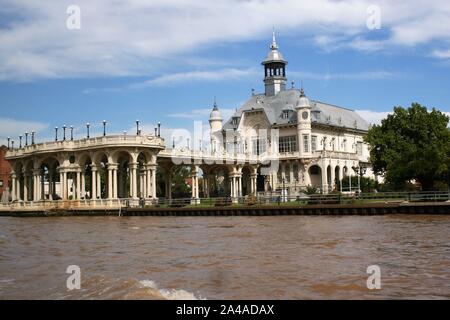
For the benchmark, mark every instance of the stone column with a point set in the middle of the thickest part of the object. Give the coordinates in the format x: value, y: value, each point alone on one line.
x: 306, y: 177
x: 78, y: 194
x: 194, y: 178
x: 148, y: 180
x: 83, y: 184
x: 42, y: 186
x: 13, y: 186
x: 239, y: 185
x: 65, y: 186
x: 253, y: 178
x: 94, y: 182
x: 324, y: 172
x: 99, y: 185
x: 115, y: 183
x: 144, y: 183
x: 133, y: 180
x: 154, y: 183
x: 333, y: 177
x: 110, y: 182
x: 25, y: 186
x: 36, y: 185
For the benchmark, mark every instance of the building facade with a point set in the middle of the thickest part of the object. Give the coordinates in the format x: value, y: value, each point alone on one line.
x: 279, y: 141
x: 5, y: 171
x: 306, y: 142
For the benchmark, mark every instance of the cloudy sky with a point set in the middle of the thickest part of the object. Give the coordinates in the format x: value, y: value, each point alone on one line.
x: 165, y: 60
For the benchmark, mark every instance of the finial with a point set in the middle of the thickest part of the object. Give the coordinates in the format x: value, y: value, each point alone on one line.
x: 274, y: 40
x: 292, y: 84
x: 253, y: 91
x: 302, y: 92
x: 215, y: 104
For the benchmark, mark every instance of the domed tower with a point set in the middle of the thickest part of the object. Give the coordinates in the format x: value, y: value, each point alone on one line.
x: 215, y: 124
x: 274, y: 70
x: 304, y: 124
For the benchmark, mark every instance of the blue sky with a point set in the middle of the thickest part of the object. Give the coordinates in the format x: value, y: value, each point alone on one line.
x: 166, y: 60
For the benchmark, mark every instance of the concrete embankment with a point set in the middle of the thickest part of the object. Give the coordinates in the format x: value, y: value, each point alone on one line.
x: 265, y: 210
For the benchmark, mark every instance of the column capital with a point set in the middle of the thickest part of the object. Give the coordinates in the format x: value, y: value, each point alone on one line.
x: 113, y: 166
x: 133, y: 165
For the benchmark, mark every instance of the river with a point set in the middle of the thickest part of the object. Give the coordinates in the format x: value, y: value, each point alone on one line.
x: 283, y: 257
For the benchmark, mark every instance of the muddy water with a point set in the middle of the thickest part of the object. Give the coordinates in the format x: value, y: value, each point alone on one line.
x: 301, y: 257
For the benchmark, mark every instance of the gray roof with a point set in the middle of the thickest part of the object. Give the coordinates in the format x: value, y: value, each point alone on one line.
x: 321, y: 113
x: 274, y: 56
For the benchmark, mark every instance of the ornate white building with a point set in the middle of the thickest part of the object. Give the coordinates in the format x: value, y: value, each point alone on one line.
x: 277, y: 142
x: 306, y: 142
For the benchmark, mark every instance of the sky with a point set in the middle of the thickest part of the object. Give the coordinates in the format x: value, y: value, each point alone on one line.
x: 73, y: 62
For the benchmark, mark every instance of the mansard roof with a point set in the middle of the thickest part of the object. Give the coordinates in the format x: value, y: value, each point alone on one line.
x: 321, y: 113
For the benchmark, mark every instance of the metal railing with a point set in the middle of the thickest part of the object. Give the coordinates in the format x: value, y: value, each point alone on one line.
x: 272, y: 198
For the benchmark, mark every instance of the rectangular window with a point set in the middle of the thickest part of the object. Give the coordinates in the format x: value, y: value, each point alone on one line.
x: 306, y: 143
x: 359, y: 148
x: 313, y: 143
x: 258, y: 146
x: 287, y: 144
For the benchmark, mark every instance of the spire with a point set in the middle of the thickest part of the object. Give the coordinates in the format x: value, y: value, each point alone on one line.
x: 274, y: 45
x: 215, y: 108
x: 302, y: 92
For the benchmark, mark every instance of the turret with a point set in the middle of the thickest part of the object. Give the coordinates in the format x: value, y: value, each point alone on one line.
x: 274, y: 70
x: 304, y: 124
x: 215, y: 124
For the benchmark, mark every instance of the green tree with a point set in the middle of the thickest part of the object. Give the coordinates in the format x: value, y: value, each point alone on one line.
x: 180, y: 187
x: 411, y: 144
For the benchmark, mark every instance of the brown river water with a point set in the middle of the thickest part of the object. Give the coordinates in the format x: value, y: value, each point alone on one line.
x: 284, y: 257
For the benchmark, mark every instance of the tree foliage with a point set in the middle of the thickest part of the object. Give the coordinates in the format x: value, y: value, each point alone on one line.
x: 411, y: 144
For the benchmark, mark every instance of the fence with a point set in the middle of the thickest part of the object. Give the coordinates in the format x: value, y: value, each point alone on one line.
x: 262, y: 199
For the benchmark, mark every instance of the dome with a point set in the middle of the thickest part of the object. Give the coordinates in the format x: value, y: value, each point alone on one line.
x: 215, y: 114
x: 274, y: 55
x: 303, y: 102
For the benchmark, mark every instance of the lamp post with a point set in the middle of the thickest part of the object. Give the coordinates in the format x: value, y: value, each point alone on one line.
x: 33, y: 133
x: 20, y: 141
x: 360, y: 170
x: 56, y: 133
x: 283, y: 192
x: 12, y: 144
x: 88, y: 125
x: 9, y: 141
x: 159, y: 129
x: 137, y: 127
x: 26, y: 138
x: 71, y: 133
x: 104, y: 127
x: 156, y: 132
x: 173, y: 142
x: 64, y: 132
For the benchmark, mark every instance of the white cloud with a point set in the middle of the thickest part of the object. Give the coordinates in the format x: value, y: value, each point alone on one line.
x: 362, y: 75
x: 202, y: 114
x: 137, y: 37
x: 206, y: 75
x: 442, y: 54
x: 13, y: 128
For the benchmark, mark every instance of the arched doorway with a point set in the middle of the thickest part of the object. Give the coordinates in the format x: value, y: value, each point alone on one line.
x: 315, y: 173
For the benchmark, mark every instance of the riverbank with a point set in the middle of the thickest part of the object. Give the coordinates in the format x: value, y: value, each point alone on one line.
x: 242, y: 210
